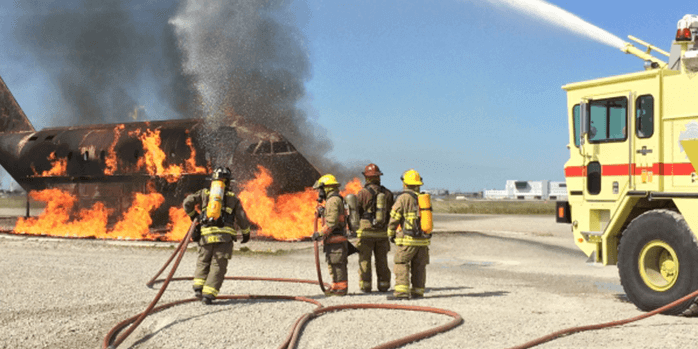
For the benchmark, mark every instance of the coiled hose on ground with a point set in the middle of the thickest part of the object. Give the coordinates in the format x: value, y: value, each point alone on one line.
x: 113, y: 339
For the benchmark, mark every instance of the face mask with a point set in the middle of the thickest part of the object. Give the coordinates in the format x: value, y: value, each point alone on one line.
x: 321, y: 195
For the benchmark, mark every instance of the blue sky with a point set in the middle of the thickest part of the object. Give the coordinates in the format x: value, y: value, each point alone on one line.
x: 466, y: 92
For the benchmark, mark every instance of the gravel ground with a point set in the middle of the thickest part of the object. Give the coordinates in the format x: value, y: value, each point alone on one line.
x: 511, y: 278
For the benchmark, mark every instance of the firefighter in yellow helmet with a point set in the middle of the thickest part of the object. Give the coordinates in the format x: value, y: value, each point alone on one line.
x: 333, y: 233
x: 221, y: 210
x: 374, y: 203
x: 412, y: 254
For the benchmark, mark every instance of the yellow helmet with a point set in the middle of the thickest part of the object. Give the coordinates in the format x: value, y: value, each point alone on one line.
x: 411, y: 177
x: 326, y: 180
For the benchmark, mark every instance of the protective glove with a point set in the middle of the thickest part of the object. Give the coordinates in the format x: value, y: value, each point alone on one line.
x: 245, y: 238
x: 196, y: 235
x: 392, y: 239
x: 193, y: 215
x: 202, y: 216
x: 316, y: 236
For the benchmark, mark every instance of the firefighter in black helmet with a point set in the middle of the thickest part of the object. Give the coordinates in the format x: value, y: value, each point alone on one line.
x: 221, y: 210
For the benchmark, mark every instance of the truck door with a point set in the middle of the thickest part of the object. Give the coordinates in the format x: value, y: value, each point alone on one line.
x: 645, y: 145
x: 606, y: 154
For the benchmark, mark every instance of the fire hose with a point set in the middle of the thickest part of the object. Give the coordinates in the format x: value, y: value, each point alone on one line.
x: 114, y: 337
x: 572, y: 330
x: 111, y: 340
x: 317, y: 252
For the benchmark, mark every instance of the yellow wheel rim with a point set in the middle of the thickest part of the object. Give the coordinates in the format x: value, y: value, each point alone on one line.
x: 659, y: 265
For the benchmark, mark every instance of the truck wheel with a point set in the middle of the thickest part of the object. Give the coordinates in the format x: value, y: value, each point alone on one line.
x: 658, y: 261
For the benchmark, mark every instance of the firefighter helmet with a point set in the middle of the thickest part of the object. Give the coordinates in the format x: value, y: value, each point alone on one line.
x: 372, y: 170
x: 411, y: 177
x: 326, y: 180
x: 221, y: 173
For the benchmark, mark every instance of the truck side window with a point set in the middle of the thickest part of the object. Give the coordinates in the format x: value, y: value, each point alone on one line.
x: 644, y: 116
x: 594, y: 178
x: 608, y: 120
x: 576, y: 124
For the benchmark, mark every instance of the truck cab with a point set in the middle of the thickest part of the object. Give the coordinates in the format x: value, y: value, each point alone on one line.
x: 631, y: 181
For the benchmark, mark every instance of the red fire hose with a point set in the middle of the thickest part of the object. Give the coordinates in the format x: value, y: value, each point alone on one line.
x: 182, y: 248
x: 572, y: 330
x: 111, y: 340
x: 317, y: 253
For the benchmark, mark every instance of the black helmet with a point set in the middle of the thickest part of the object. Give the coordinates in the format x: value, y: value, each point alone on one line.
x: 222, y: 173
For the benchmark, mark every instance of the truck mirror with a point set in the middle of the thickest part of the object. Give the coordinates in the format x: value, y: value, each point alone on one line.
x: 584, y: 122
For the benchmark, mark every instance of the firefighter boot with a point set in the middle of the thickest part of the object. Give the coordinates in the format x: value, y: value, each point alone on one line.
x: 207, y: 299
x: 401, y: 292
x: 197, y: 292
x: 398, y: 296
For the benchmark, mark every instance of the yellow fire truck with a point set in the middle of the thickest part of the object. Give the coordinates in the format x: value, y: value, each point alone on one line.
x: 631, y: 177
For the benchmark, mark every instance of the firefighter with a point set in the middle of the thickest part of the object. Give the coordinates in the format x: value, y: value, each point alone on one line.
x: 374, y: 203
x: 220, y: 211
x: 412, y: 255
x: 333, y: 233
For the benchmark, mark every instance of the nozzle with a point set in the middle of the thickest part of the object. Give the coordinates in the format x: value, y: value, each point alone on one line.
x: 630, y: 49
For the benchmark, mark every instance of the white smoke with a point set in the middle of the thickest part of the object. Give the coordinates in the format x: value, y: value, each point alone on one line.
x: 204, y: 32
x: 246, y: 57
x: 539, y: 9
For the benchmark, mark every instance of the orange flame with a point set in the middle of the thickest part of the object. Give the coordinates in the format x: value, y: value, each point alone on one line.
x: 154, y: 157
x: 55, y: 220
x: 179, y: 224
x: 191, y: 162
x: 58, y: 166
x: 353, y: 187
x: 111, y: 159
x: 286, y: 217
x: 137, y: 221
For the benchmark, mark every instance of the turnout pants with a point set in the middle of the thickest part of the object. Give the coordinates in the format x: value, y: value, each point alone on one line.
x: 379, y: 247
x: 411, y: 263
x: 211, y: 267
x: 336, y: 256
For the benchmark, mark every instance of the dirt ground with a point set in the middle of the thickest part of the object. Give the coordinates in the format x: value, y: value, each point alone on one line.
x: 512, y: 279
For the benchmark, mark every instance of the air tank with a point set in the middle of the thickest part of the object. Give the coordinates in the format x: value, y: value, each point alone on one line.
x: 426, y: 220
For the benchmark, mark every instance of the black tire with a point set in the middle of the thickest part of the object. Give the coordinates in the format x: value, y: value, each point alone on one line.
x: 647, y: 265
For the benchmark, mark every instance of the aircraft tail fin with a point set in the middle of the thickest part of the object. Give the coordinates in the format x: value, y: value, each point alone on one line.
x: 12, y: 118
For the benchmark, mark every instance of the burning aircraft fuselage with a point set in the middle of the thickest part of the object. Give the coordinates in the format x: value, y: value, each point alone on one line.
x: 109, y: 162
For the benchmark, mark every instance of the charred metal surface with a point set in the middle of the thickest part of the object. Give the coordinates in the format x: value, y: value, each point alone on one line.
x: 12, y: 118
x: 88, y: 151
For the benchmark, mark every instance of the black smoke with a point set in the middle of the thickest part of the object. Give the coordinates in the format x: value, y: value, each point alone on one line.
x: 206, y: 58
x: 98, y: 53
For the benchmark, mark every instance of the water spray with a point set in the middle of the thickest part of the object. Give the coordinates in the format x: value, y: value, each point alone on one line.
x: 554, y: 15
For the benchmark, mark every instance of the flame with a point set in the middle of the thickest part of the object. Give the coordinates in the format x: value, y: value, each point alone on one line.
x: 56, y: 220
x: 58, y: 166
x: 179, y: 224
x: 154, y: 157
x: 286, y: 217
x: 111, y: 159
x: 190, y: 164
x: 136, y: 221
x: 352, y: 187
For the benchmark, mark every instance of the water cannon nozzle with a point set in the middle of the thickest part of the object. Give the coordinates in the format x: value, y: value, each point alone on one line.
x: 654, y: 62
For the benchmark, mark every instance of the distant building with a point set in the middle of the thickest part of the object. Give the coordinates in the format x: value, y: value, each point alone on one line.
x: 529, y: 190
x: 437, y: 192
